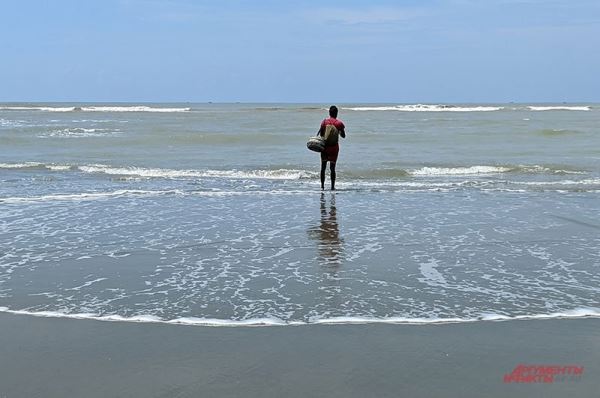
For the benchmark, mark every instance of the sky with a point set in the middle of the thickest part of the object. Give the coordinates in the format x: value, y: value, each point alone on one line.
x: 428, y: 51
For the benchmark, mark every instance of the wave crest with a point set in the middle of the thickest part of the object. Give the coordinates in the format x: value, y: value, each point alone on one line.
x: 427, y: 108
x: 278, y: 174
x: 94, y: 109
x: 293, y: 174
x: 559, y: 108
x: 480, y: 170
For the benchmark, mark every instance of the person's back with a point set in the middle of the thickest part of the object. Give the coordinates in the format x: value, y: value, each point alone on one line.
x: 331, y: 128
x: 331, y: 135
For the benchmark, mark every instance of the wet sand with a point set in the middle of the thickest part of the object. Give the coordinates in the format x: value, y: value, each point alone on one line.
x: 50, y: 357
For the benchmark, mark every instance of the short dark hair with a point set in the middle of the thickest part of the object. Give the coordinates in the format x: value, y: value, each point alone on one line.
x: 333, y: 111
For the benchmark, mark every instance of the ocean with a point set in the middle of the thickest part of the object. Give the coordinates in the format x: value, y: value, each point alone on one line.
x: 212, y: 214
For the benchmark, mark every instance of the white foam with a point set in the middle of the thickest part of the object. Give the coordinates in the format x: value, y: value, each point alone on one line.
x: 273, y: 192
x: 279, y: 174
x: 88, y: 283
x: 192, y: 321
x: 132, y: 109
x: 342, y: 320
x: 79, y: 132
x: 38, y: 108
x: 588, y: 181
x: 542, y: 169
x: 58, y: 167
x: 559, y: 108
x: 569, y: 314
x: 431, y: 276
x: 427, y: 108
x: 85, y: 196
x: 292, y: 174
x: 482, y: 169
x: 11, y: 123
x: 139, y: 193
x: 402, y: 184
x: 357, y: 320
x: 444, y: 171
x: 19, y: 165
x: 28, y: 165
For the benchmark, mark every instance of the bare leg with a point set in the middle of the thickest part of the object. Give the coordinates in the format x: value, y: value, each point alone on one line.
x: 332, y: 169
x: 323, y: 167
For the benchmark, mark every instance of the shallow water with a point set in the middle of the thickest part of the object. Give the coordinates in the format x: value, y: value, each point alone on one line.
x: 211, y: 214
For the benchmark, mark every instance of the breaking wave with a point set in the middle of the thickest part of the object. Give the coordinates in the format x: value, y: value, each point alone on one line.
x: 559, y: 108
x: 478, y: 170
x: 427, y: 108
x: 293, y: 174
x: 279, y: 174
x: 37, y: 166
x: 94, y: 109
x: 577, y: 313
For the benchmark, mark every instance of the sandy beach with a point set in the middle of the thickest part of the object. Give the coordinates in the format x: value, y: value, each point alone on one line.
x: 51, y: 357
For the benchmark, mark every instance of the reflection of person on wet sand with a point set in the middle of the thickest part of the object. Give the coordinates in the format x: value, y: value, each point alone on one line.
x: 328, y: 233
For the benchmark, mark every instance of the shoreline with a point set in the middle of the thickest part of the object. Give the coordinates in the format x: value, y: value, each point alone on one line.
x: 53, y: 357
x: 574, y: 314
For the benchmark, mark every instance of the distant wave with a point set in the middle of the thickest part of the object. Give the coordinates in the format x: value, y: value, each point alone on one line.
x: 578, y: 313
x: 556, y: 132
x: 427, y: 108
x: 38, y: 108
x: 37, y: 166
x: 132, y: 109
x: 94, y: 109
x: 559, y: 108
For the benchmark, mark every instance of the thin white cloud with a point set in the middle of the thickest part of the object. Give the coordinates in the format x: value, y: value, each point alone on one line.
x: 372, y: 15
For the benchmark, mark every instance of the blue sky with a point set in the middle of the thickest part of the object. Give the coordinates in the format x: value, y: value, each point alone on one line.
x: 300, y: 51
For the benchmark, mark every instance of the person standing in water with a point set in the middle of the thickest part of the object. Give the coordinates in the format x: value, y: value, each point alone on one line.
x: 331, y: 129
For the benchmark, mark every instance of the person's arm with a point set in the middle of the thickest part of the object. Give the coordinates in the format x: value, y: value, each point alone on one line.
x: 342, y: 129
x: 321, y: 130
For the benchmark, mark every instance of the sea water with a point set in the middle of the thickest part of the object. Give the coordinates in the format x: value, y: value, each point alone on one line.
x: 213, y: 214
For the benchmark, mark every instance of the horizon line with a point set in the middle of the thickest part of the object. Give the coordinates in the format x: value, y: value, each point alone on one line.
x: 291, y: 102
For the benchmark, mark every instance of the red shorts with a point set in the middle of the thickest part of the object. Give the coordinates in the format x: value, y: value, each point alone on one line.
x: 330, y: 153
